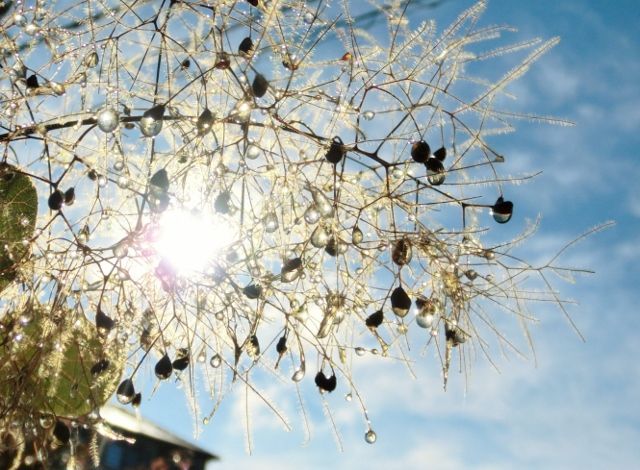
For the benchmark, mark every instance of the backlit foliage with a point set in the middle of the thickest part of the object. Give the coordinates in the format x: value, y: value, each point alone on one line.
x: 230, y: 186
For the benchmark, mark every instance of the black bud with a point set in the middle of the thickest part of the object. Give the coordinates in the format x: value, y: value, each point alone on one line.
x: 440, y: 154
x: 375, y: 319
x: 185, y: 64
x: 259, y: 86
x: 182, y: 361
x: 137, y: 399
x: 246, y: 46
x: 164, y: 368
x: 205, y: 120
x: 400, y: 302
x: 103, y: 321
x: 324, y: 383
x: 420, y: 151
x: 56, y: 199
x: 336, y: 152
x: 281, y: 347
x: 32, y: 81
x: 160, y: 180
x: 502, y: 210
x: 252, y: 291
x: 125, y: 391
x: 61, y: 432
x: 69, y: 196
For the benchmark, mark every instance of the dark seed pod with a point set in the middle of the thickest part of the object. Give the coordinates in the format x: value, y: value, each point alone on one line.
x: 137, y: 399
x: 222, y: 204
x: 32, y: 81
x: 252, y: 291
x: 253, y: 347
x: 156, y: 113
x: 420, y: 151
x: 222, y: 60
x: 336, y: 152
x: 182, y: 361
x: 160, y: 180
x: 281, y: 347
x: 400, y: 302
x: 375, y: 319
x: 402, y: 252
x: 103, y: 321
x: 291, y: 270
x: 259, y: 86
x: 332, y: 247
x: 205, y: 121
x: 164, y: 368
x: 61, y: 432
x: 327, y: 384
x: 502, y: 210
x: 69, y: 196
x: 159, y: 202
x: 56, y: 199
x: 440, y: 154
x: 435, y: 171
x: 125, y: 391
x: 99, y: 367
x: 246, y: 47
x: 454, y: 335
x: 185, y: 64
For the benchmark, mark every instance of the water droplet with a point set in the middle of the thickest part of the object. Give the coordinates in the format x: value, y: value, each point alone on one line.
x: 400, y: 302
x: 402, y: 252
x: 309, y: 18
x: 312, y: 215
x: 108, y: 120
x: 320, y: 237
x: 356, y: 235
x: 252, y: 152
x: 368, y: 115
x: 348, y: 397
x: 215, y: 361
x: 435, y: 171
x: 370, y: 436
x: 270, y: 222
x: 125, y: 391
x: 298, y: 375
x: 360, y: 351
x: 202, y: 357
x: 150, y: 127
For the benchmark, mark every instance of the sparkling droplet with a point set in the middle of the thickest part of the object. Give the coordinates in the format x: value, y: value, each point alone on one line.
x: 348, y: 396
x: 320, y: 237
x: 125, y: 391
x: 298, y: 375
x: 150, y: 127
x: 356, y: 236
x: 215, y: 361
x: 309, y: 18
x: 311, y: 215
x: 253, y: 152
x: 370, y: 436
x: 368, y: 115
x: 360, y: 351
x: 270, y: 222
x: 107, y: 120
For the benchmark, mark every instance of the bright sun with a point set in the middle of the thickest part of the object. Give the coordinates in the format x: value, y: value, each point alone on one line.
x: 189, y: 240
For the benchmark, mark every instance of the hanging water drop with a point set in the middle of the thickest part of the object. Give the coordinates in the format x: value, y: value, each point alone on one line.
x: 270, y: 222
x: 319, y: 237
x: 435, y: 172
x: 356, y: 235
x: 215, y: 361
x: 125, y: 391
x: 370, y: 436
x: 400, y: 302
x: 420, y: 151
x: 502, y: 211
x: 164, y: 368
x: 311, y: 215
x: 298, y: 375
x: 252, y: 152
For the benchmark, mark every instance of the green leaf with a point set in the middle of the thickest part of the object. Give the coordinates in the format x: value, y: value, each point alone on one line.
x: 18, y: 212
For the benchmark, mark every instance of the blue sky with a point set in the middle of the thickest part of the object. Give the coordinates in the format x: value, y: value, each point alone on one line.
x: 577, y: 408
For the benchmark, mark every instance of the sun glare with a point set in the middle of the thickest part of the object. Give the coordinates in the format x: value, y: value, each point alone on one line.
x: 189, y: 240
